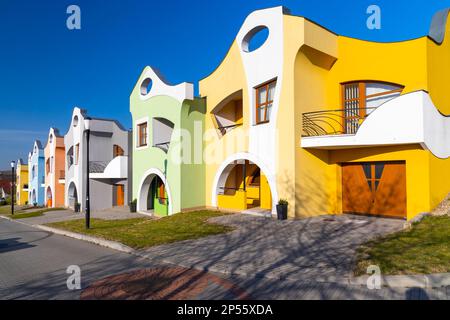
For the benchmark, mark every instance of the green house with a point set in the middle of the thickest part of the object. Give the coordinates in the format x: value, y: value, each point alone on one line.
x: 168, y: 126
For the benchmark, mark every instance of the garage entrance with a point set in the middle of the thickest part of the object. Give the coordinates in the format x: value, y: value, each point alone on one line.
x: 374, y: 188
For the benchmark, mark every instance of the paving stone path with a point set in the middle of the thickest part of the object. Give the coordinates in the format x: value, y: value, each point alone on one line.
x: 314, y: 249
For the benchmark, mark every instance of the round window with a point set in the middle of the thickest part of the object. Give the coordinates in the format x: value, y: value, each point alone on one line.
x: 146, y: 86
x: 255, y: 38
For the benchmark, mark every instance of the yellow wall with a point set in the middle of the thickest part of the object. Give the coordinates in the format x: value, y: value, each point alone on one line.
x: 315, y: 63
x: 238, y: 201
x: 21, y: 180
x: 318, y: 177
x: 417, y: 171
x: 227, y: 79
x: 438, y: 63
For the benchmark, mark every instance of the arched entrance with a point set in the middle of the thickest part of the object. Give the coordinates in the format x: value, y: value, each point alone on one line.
x: 154, y: 194
x: 33, y: 197
x: 72, y: 195
x: 242, y: 185
x: 49, y: 197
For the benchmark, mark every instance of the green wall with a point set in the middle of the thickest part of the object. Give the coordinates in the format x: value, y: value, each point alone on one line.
x: 185, y: 180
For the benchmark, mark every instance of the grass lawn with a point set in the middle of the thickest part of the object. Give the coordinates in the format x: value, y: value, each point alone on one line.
x: 423, y: 249
x: 143, y: 232
x: 24, y: 215
x: 5, y: 209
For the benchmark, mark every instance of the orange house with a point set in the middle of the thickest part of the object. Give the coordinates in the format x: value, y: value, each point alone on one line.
x: 54, y: 169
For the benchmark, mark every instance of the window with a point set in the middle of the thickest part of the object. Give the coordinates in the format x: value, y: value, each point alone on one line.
x: 359, y: 99
x: 264, y: 102
x: 228, y: 114
x: 142, y: 134
x: 146, y: 86
x: 47, y: 166
x: 117, y: 151
x: 77, y: 153
x: 373, y: 173
x: 255, y: 39
x: 70, y: 157
x: 162, y: 133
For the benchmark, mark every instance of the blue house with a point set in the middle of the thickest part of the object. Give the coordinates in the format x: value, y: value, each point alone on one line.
x: 36, y: 175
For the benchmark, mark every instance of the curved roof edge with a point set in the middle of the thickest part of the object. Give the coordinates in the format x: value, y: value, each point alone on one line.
x: 436, y: 32
x: 438, y: 26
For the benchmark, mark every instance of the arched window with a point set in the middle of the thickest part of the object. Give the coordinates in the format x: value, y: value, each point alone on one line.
x: 360, y: 98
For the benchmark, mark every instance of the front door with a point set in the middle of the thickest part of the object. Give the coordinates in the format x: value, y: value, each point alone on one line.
x: 120, y: 195
x: 375, y: 188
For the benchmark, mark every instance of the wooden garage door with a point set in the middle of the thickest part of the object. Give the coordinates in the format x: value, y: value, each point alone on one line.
x: 376, y: 188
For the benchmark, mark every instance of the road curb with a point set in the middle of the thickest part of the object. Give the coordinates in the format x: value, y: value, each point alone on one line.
x: 98, y: 241
x: 398, y: 281
x: 423, y: 281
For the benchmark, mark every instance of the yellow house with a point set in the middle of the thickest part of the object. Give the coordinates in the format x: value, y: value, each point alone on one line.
x: 21, y: 183
x: 330, y: 123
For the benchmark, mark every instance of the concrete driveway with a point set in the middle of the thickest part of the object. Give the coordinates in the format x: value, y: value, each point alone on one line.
x: 312, y: 249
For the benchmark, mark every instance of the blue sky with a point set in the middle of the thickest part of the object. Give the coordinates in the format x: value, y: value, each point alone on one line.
x: 46, y: 69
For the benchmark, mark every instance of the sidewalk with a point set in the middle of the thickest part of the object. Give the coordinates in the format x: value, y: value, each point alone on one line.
x: 322, y: 253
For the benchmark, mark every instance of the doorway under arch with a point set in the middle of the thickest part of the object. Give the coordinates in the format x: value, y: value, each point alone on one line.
x: 72, y: 195
x: 49, y: 197
x: 154, y: 195
x: 33, y: 197
x: 242, y: 185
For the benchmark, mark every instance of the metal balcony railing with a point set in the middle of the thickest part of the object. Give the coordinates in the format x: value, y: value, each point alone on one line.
x: 225, y: 129
x: 334, y: 122
x: 163, y: 146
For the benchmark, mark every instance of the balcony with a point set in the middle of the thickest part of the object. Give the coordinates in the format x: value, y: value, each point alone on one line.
x: 114, y: 170
x: 334, y: 122
x: 228, y: 114
x: 162, y: 133
x: 62, y: 177
x: 408, y: 119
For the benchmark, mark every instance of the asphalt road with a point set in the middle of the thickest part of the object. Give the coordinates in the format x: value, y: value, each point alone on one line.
x: 33, y: 265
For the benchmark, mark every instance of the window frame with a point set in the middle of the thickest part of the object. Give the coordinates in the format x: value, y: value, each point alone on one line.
x: 362, y: 98
x: 142, y: 136
x: 264, y: 105
x: 136, y: 132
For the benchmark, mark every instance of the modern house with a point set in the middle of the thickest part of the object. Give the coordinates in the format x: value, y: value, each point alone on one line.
x: 333, y: 124
x: 168, y: 122
x: 55, y: 157
x: 108, y: 162
x: 21, y: 183
x: 295, y: 111
x: 36, y: 177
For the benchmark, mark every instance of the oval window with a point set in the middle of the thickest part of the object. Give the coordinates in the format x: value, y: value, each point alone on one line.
x: 146, y: 86
x: 255, y: 38
x: 75, y: 121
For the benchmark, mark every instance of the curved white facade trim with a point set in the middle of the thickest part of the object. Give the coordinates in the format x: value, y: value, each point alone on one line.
x: 179, y: 92
x: 144, y: 187
x: 117, y: 168
x: 409, y: 119
x: 219, y: 177
x: 262, y: 65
